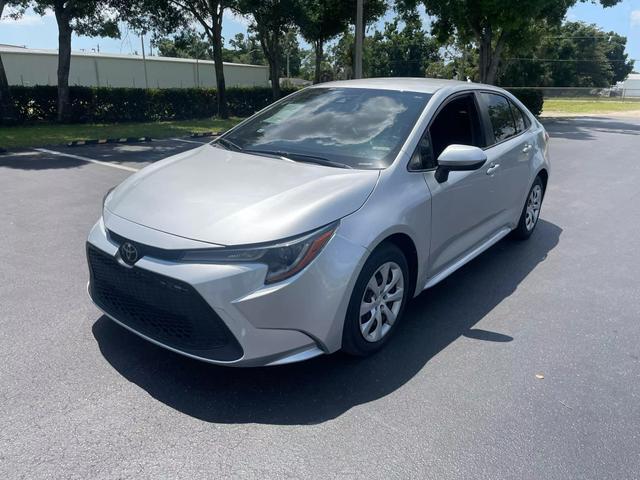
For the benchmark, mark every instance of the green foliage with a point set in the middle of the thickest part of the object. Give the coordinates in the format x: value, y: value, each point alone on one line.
x: 271, y: 20
x: 401, y: 53
x: 621, y: 65
x: 533, y: 99
x: 321, y: 20
x: 492, y: 25
x: 572, y: 55
x: 245, y: 49
x: 188, y: 43
x: 291, y: 48
x: 90, y: 18
x: 95, y: 105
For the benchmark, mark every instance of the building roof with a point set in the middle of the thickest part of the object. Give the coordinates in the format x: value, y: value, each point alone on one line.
x: 42, y: 51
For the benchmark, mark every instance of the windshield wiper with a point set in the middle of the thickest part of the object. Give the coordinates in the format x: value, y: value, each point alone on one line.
x: 228, y: 144
x: 301, y: 157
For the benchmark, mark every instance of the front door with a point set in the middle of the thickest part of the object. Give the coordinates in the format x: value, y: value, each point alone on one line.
x: 464, y: 209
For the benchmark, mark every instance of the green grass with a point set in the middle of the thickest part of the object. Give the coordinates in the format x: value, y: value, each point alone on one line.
x: 41, y: 135
x: 577, y: 106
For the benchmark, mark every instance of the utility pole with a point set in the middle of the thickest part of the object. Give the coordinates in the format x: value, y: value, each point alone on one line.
x: 144, y: 62
x: 359, y: 38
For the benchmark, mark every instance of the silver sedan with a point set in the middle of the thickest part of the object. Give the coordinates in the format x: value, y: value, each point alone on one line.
x: 308, y: 227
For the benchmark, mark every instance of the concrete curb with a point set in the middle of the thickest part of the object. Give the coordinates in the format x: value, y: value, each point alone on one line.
x: 100, y: 141
x: 206, y: 134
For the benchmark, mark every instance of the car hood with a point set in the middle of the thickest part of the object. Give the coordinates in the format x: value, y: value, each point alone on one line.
x: 231, y: 198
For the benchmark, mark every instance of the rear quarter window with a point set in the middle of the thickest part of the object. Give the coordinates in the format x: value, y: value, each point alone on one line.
x: 519, y: 117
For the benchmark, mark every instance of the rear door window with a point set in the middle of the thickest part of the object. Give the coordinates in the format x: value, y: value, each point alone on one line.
x: 519, y: 117
x: 500, y: 115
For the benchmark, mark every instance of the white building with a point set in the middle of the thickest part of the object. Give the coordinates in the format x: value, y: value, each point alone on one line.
x: 25, y: 66
x: 631, y: 86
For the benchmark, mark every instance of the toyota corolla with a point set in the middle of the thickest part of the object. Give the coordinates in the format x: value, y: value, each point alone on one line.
x: 308, y: 227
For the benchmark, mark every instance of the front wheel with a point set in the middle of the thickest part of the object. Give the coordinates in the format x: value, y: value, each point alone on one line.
x: 377, y: 301
x: 531, y: 211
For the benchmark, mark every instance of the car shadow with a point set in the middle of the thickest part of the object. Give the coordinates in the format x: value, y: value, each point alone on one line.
x: 583, y: 128
x: 137, y: 155
x: 324, y: 388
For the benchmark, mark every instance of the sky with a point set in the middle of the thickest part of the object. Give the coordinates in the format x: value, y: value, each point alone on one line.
x: 35, y: 31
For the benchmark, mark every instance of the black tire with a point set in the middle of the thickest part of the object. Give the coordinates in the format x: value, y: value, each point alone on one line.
x: 522, y: 232
x: 353, y: 341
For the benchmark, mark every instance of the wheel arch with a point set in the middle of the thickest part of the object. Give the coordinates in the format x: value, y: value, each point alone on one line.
x: 544, y: 176
x: 408, y: 248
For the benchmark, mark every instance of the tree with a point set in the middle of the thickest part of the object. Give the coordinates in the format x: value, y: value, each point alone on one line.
x: 7, y: 114
x: 291, y: 54
x: 319, y: 21
x: 188, y: 43
x: 572, y: 55
x: 245, y: 49
x: 271, y: 18
x: 621, y: 65
x: 493, y: 25
x: 167, y: 15
x: 85, y: 17
x: 402, y: 53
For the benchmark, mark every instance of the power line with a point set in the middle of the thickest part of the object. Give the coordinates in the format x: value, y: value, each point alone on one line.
x: 595, y: 37
x: 592, y: 60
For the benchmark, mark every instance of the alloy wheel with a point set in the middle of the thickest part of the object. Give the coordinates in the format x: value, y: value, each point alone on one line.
x: 533, y: 207
x: 381, y: 302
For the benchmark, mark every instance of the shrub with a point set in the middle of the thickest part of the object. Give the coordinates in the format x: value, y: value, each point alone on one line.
x: 532, y: 98
x: 109, y: 105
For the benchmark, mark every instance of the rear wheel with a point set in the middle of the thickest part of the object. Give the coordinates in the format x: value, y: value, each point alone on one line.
x: 531, y: 211
x: 377, y: 301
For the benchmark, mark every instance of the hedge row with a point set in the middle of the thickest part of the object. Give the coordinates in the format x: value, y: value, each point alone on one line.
x: 533, y: 99
x: 108, y: 105
x: 97, y: 105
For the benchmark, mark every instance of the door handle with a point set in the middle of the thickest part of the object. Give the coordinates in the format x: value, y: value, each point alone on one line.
x: 527, y: 148
x: 493, y: 168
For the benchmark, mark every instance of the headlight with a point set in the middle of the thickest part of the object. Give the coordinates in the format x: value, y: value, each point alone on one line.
x: 283, y: 259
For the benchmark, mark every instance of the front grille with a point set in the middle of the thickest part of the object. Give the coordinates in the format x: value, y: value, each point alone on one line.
x: 162, y: 308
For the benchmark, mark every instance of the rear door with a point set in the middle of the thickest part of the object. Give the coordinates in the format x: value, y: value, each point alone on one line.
x: 509, y: 150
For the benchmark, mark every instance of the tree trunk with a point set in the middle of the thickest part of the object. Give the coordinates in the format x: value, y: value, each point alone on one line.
x: 319, y: 54
x: 270, y: 42
x: 274, y: 76
x: 7, y: 112
x: 64, y: 63
x: 274, y: 72
x: 490, y: 57
x: 221, y: 93
x: 484, y: 55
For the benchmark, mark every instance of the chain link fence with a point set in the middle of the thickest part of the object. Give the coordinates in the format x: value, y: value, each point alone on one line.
x: 615, y: 93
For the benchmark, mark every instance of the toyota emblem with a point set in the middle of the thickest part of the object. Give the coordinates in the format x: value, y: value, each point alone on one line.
x: 129, y: 253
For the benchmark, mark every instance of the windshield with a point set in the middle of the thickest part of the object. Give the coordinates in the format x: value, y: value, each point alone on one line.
x: 356, y: 127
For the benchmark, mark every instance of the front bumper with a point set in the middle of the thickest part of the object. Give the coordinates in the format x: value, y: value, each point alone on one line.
x: 223, y: 314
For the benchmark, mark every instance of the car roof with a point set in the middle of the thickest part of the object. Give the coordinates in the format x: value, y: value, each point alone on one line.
x: 422, y: 85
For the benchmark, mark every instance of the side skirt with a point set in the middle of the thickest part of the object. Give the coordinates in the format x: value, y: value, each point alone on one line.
x: 437, y: 278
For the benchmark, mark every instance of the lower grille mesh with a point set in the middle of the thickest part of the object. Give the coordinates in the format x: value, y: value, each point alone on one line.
x: 159, y: 307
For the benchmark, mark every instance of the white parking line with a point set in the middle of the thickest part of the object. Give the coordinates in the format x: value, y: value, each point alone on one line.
x: 187, y: 141
x: 87, y: 159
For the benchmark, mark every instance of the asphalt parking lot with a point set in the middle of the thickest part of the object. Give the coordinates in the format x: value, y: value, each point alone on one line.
x: 455, y: 395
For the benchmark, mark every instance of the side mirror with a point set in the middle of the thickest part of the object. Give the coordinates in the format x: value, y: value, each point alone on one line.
x: 456, y: 158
